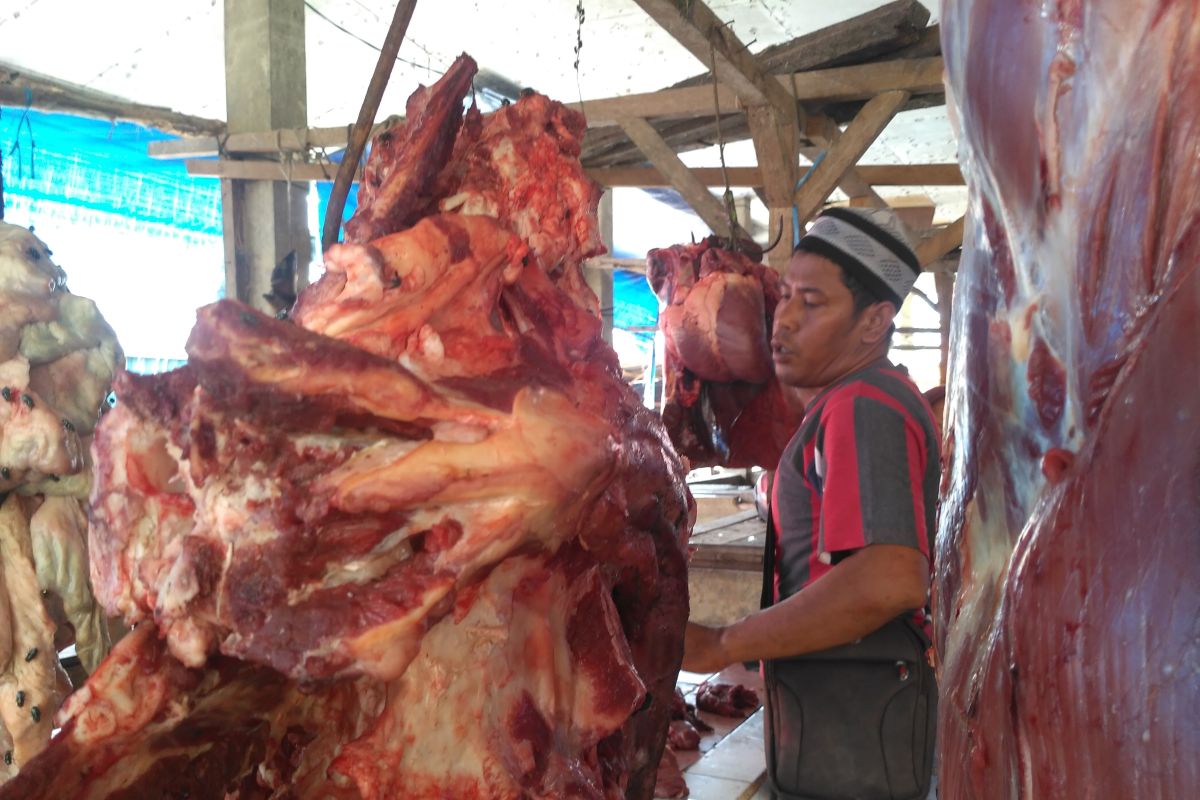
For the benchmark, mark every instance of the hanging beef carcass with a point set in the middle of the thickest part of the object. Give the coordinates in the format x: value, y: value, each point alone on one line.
x: 723, y: 405
x: 420, y: 541
x: 1068, y: 563
x: 57, y: 358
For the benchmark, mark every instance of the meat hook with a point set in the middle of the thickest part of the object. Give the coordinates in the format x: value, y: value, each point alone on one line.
x: 778, y: 237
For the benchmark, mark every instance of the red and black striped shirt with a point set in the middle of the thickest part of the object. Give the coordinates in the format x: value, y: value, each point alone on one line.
x: 862, y: 469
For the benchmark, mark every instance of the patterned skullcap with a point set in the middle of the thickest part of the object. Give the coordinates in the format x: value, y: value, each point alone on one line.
x: 870, y: 244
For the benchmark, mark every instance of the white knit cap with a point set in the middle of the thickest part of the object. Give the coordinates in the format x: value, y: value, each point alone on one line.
x: 871, y: 244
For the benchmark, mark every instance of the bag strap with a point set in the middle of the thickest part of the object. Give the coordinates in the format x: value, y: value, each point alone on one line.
x: 767, y: 598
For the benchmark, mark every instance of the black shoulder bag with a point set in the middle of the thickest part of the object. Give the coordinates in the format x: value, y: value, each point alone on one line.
x: 855, y: 722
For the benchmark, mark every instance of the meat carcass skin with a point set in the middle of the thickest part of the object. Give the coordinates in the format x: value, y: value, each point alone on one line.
x: 29, y: 666
x: 398, y: 179
x: 58, y: 534
x: 1067, y: 592
x: 57, y: 358
x: 723, y: 404
x: 428, y: 499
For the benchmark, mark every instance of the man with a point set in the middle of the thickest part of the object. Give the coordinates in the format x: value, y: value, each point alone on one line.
x: 855, y: 491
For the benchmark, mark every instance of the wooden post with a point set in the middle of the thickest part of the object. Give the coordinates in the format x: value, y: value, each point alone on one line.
x: 845, y: 152
x: 266, y: 222
x: 777, y: 147
x: 944, y: 281
x: 694, y: 192
x: 941, y: 241
x: 599, y: 278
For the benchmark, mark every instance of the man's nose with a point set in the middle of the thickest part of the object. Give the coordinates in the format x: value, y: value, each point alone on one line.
x: 785, y: 315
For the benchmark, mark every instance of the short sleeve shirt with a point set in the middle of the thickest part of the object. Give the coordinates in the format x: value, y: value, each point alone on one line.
x: 862, y: 469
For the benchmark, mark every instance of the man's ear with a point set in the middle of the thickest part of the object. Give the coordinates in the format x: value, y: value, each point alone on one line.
x: 876, y: 319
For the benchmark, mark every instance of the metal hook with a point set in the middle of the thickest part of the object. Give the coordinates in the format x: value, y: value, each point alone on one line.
x: 778, y: 237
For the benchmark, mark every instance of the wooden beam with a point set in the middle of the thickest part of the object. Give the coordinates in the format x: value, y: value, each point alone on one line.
x: 874, y: 174
x: 824, y: 131
x: 892, y: 27
x: 693, y: 190
x: 610, y: 263
x: 947, y: 263
x: 323, y: 171
x: 772, y: 114
x: 265, y: 223
x: 20, y: 87
x: 911, y: 174
x: 777, y: 148
x: 840, y: 84
x: 648, y: 177
x: 712, y: 42
x: 944, y: 281
x: 941, y: 242
x: 845, y: 152
x: 920, y: 76
x: 291, y: 140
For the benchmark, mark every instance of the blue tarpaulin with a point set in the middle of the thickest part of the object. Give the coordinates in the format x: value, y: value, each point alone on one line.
x: 143, y: 238
x: 138, y: 235
x: 103, y: 166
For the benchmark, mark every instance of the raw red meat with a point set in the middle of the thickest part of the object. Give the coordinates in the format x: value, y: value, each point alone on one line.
x: 431, y: 515
x: 398, y: 179
x: 669, y: 782
x: 681, y: 709
x: 1067, y: 566
x: 682, y: 735
x: 726, y: 699
x: 723, y: 403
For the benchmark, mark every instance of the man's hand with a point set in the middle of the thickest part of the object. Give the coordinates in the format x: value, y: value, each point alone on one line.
x: 703, y: 649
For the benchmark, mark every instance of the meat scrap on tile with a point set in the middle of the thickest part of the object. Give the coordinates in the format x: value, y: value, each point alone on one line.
x: 57, y: 359
x: 419, y: 541
x: 726, y: 699
x: 723, y: 404
x: 1067, y: 587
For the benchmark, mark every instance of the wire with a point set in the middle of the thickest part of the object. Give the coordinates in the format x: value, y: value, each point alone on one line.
x: 579, y: 16
x: 354, y: 35
x: 727, y: 198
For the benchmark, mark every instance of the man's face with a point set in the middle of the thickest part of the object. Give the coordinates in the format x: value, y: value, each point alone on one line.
x: 816, y: 338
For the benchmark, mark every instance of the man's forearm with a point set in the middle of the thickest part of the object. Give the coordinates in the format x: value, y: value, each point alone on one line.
x: 860, y: 595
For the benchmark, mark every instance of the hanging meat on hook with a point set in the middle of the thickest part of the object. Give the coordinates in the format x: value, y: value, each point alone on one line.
x: 722, y: 403
x: 57, y: 359
x: 423, y: 542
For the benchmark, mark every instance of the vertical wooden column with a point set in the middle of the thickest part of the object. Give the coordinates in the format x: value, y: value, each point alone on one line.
x: 265, y: 89
x: 944, y: 281
x: 600, y: 279
x: 777, y: 146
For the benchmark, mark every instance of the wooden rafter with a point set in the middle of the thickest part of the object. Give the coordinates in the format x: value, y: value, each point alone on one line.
x: 941, y: 241
x: 771, y: 111
x: 699, y: 30
x: 20, y: 87
x: 301, y: 140
x: 859, y: 82
x: 693, y: 190
x: 893, y: 30
x: 944, y: 281
x: 874, y: 174
x: 898, y: 26
x: 846, y: 151
x: 920, y: 76
x: 644, y: 177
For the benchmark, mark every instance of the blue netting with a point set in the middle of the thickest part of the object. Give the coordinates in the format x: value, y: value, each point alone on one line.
x: 103, y: 166
x: 634, y: 305
x: 137, y: 235
x: 143, y: 238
